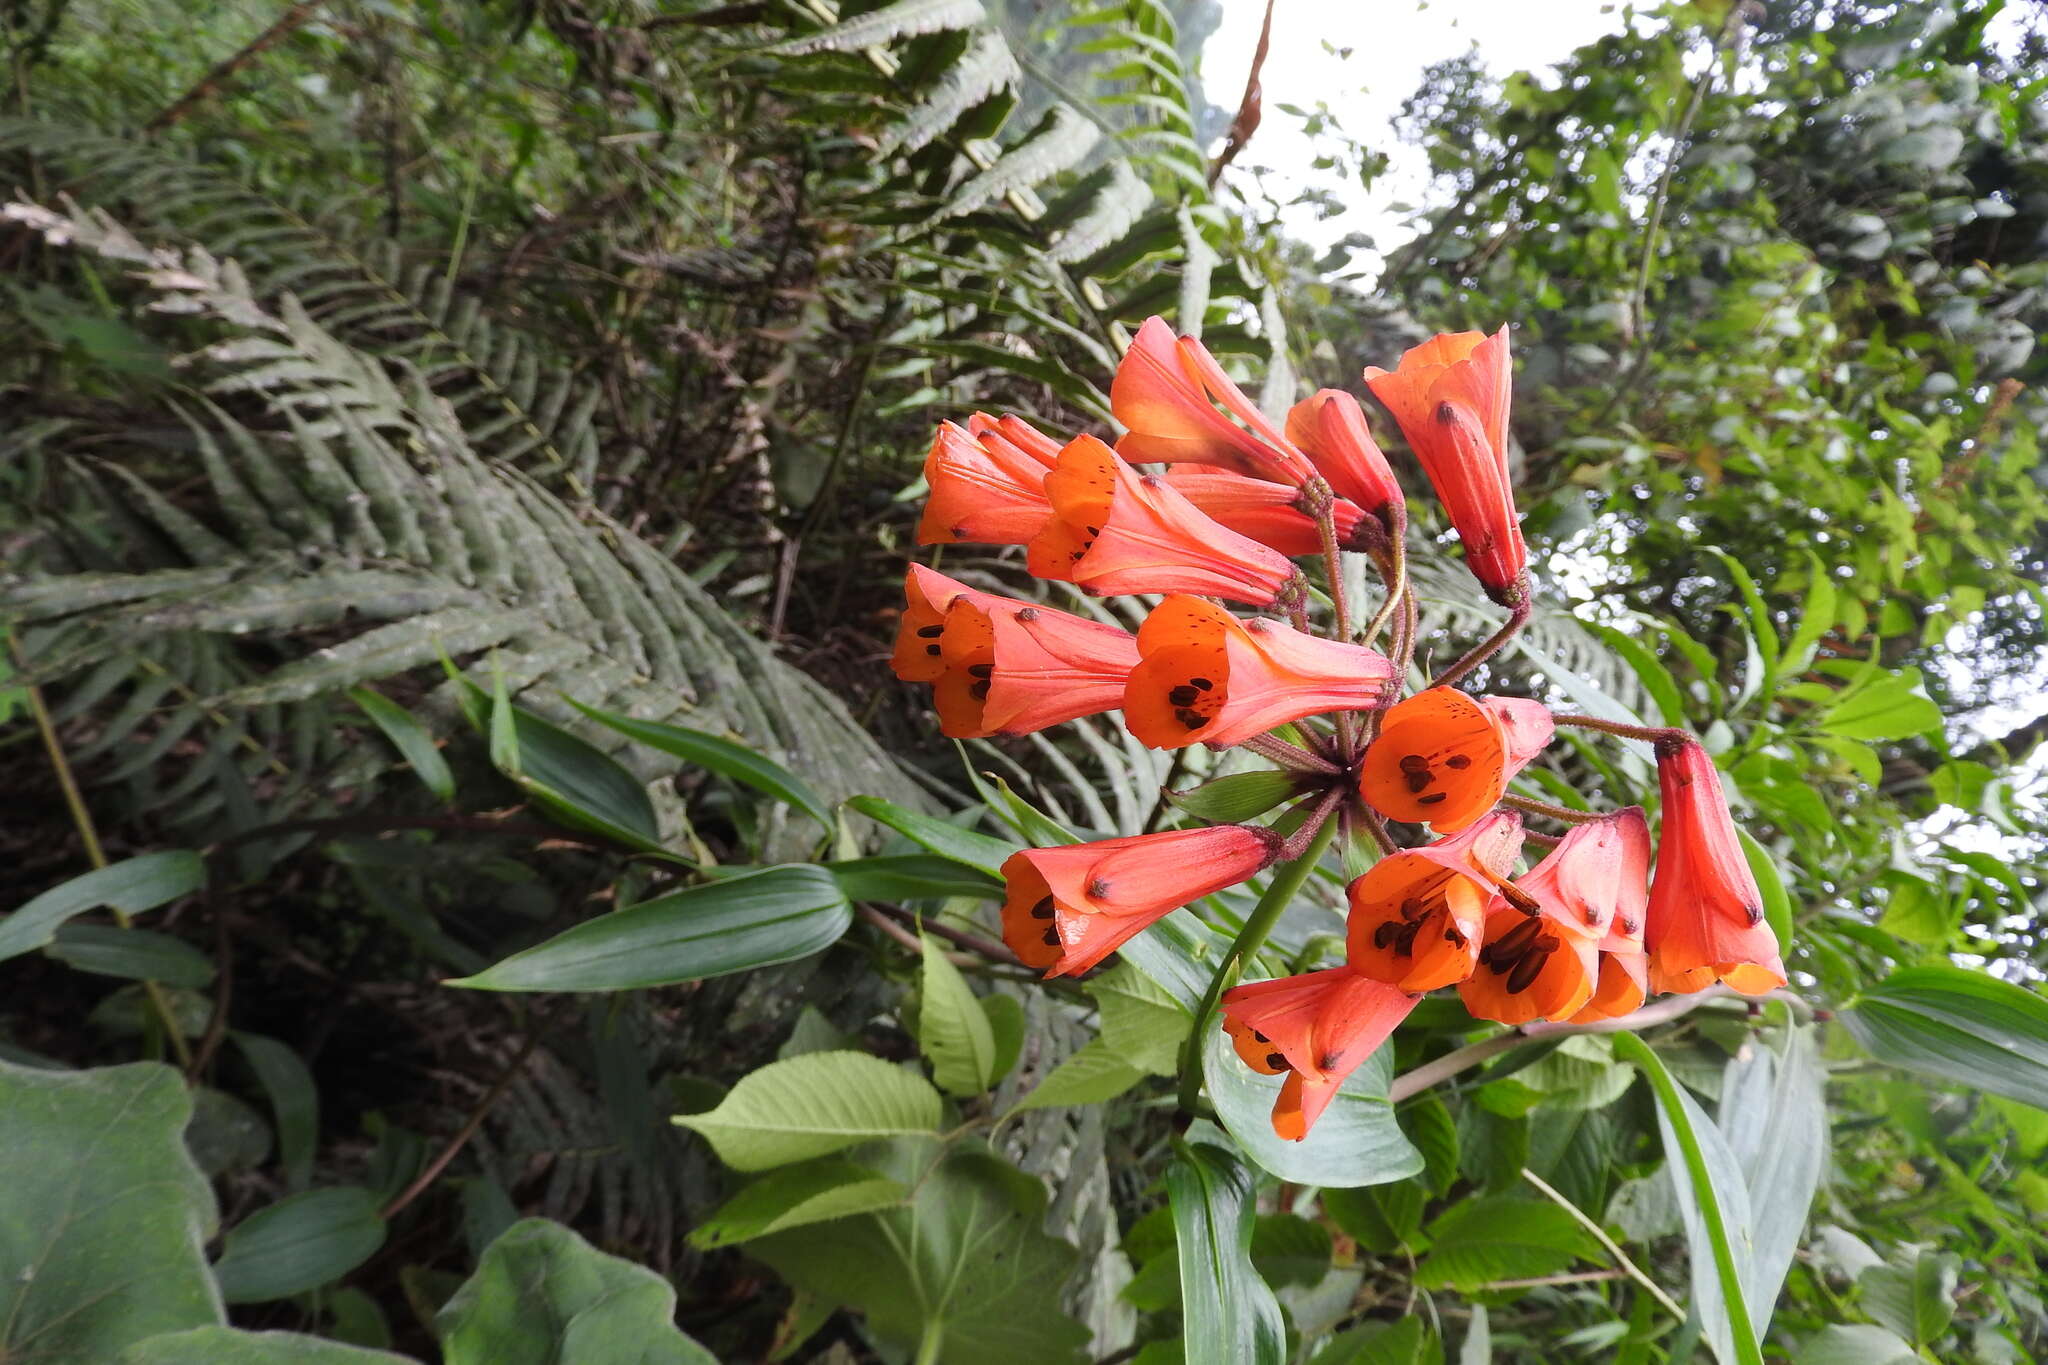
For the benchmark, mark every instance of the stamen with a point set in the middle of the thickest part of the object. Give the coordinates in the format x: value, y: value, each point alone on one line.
x: 1459, y: 762
x: 1052, y: 938
x: 1183, y: 696
x: 979, y: 691
x: 1042, y: 910
x: 1194, y: 720
x: 1512, y: 943
x: 1384, y: 935
x: 1203, y: 683
x: 981, y: 670
x: 932, y: 650
x: 1525, y: 973
x: 1417, y: 781
x: 930, y: 632
x: 1276, y: 1061
x: 1432, y: 799
x: 1414, y: 908
x: 1414, y: 763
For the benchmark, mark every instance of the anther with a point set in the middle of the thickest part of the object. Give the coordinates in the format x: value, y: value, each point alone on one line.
x: 981, y: 670
x: 932, y: 650
x: 930, y: 632
x: 1183, y: 696
x: 979, y: 691
x: 1414, y: 763
x: 1458, y: 761
x: 1201, y: 683
x: 1432, y: 798
x: 1276, y: 1061
x: 1042, y: 910
x: 1052, y: 938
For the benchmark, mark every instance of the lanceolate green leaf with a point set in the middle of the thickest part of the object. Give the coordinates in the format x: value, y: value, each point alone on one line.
x: 812, y: 1105
x: 911, y: 877
x: 410, y: 738
x: 776, y: 915
x: 951, y: 1027
x: 135, y: 954
x: 1958, y: 1026
x: 301, y: 1242
x: 104, y: 1214
x: 722, y: 756
x: 1773, y: 1113
x: 130, y: 886
x: 1230, y: 1314
x: 570, y: 777
x: 1715, y: 1203
x: 544, y: 1296
x: 939, y: 836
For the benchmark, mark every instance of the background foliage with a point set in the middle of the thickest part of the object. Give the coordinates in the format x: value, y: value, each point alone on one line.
x: 459, y: 460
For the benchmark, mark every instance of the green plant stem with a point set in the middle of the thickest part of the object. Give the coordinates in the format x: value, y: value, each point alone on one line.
x: 1394, y: 573
x: 1287, y: 880
x: 88, y: 833
x: 1634, y: 1049
x: 928, y: 1346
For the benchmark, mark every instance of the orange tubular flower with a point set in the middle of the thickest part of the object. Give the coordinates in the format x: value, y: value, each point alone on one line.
x: 1445, y: 758
x: 1203, y: 674
x: 987, y: 483
x: 1549, y: 965
x: 1317, y: 1029
x: 1705, y: 920
x: 1167, y: 390
x: 1331, y: 430
x: 1450, y: 395
x: 1269, y: 513
x: 1115, y: 530
x: 1624, y: 972
x: 1418, y: 916
x: 1003, y: 666
x: 1070, y: 907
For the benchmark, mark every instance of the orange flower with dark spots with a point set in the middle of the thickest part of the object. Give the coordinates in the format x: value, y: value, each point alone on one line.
x: 1330, y: 428
x: 1705, y: 921
x: 1068, y: 908
x: 1203, y: 675
x: 1316, y: 1029
x: 1167, y: 392
x: 987, y: 483
x: 1418, y: 916
x: 1548, y: 965
x: 1114, y: 530
x: 1450, y: 397
x: 1445, y: 758
x: 998, y: 665
x: 1624, y: 979
x: 1270, y: 513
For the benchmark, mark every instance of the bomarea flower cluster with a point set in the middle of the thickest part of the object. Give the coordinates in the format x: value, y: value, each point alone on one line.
x: 1227, y: 504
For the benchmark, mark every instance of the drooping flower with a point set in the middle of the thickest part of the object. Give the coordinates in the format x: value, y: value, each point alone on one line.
x: 1705, y: 920
x: 1006, y: 666
x: 1450, y: 396
x: 1316, y: 1028
x: 1548, y: 965
x: 1204, y: 675
x: 987, y: 482
x: 1068, y: 908
x: 1270, y: 513
x: 1624, y: 972
x: 1444, y: 757
x: 1330, y: 428
x: 1418, y: 916
x: 1166, y: 391
x: 1115, y: 530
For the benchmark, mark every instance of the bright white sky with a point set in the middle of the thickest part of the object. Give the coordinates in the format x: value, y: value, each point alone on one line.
x: 1362, y: 58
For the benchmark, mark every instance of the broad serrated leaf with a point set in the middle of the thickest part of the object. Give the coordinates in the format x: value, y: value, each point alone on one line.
x: 813, y: 1105
x: 795, y: 1196
x: 1501, y: 1238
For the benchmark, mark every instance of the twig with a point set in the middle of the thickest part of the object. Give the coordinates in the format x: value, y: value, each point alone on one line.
x: 1532, y: 806
x: 88, y: 834
x: 1627, y: 1267
x: 1250, y: 108
x: 1518, y: 616
x: 465, y: 1133
x: 1289, y: 755
x: 972, y: 942
x: 287, y: 23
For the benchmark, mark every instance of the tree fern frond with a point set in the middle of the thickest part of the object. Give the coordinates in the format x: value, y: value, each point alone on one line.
x: 988, y: 67
x: 904, y: 19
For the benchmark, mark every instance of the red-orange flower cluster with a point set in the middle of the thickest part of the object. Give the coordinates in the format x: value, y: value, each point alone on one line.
x: 1583, y: 935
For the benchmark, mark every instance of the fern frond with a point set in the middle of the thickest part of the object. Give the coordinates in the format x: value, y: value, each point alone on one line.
x: 904, y: 19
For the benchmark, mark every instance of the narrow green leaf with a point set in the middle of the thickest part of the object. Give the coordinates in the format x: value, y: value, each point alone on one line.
x: 722, y: 756
x: 911, y: 877
x: 568, y: 777
x: 951, y: 1027
x: 1715, y: 1204
x: 1238, y: 797
x: 904, y: 19
x: 1892, y: 707
x: 930, y: 832
x: 1773, y: 1113
x: 1090, y: 1076
x: 1005, y: 1015
x: 301, y: 1242
x: 1230, y: 1314
x: 133, y: 954
x: 776, y: 915
x: 1856, y: 1344
x: 130, y: 886
x: 294, y: 1101
x: 812, y: 1105
x: 1958, y: 1026
x: 1650, y: 672
x: 412, y: 740
x: 1771, y: 885
x: 796, y: 1196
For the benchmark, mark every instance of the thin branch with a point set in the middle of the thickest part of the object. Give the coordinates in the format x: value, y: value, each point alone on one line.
x: 287, y: 24
x: 1250, y: 108
x: 972, y: 942
x: 1627, y: 1267
x: 1518, y: 616
x: 463, y: 1134
x: 1529, y: 805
